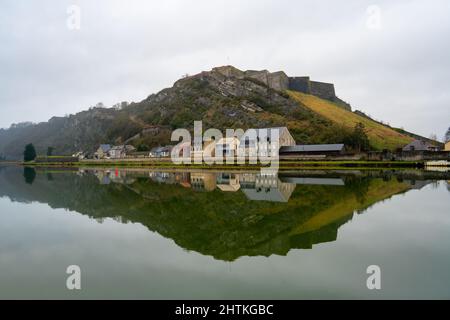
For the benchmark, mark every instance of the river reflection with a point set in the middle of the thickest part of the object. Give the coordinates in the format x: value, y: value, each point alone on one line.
x: 221, y: 214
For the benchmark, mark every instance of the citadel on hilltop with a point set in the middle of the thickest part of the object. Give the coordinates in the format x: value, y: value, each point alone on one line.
x: 280, y: 81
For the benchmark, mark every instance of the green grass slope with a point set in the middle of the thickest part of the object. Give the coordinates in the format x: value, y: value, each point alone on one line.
x: 380, y: 136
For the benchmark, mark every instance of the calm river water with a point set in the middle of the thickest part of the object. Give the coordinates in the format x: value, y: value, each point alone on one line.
x: 141, y: 234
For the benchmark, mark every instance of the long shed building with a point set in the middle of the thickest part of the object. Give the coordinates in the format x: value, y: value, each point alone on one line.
x: 313, y: 149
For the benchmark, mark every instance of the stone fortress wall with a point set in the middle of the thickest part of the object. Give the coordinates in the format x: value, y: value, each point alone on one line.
x: 280, y: 81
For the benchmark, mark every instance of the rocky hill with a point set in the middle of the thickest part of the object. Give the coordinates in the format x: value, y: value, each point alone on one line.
x: 224, y: 97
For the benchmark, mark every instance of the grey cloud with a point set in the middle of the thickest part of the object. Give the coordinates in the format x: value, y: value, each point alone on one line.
x: 128, y: 50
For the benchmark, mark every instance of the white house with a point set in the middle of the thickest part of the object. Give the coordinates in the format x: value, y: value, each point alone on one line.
x: 120, y: 152
x: 262, y: 140
x: 161, y: 152
x: 102, y: 151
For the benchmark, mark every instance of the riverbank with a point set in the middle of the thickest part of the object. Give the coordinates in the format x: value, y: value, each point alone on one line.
x: 282, y: 165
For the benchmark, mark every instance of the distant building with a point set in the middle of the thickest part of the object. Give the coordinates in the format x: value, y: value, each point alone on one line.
x: 447, y: 146
x: 201, y: 148
x: 80, y: 155
x: 313, y: 149
x: 420, y: 145
x: 120, y: 152
x: 263, y: 140
x: 103, y: 151
x: 117, y: 152
x: 226, y: 146
x: 183, y: 150
x: 161, y: 152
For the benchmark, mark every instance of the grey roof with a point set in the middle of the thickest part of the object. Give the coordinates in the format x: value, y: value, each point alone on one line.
x: 419, y: 145
x: 105, y: 147
x: 312, y: 147
x: 118, y: 148
x: 124, y: 147
x: 161, y: 149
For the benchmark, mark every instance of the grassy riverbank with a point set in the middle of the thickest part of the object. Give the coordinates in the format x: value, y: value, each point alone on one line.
x: 283, y: 165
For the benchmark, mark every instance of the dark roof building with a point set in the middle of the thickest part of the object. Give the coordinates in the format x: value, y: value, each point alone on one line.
x: 420, y: 145
x: 313, y: 149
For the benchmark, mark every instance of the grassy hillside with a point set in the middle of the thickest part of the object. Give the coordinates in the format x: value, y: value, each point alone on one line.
x: 381, y: 137
x: 218, y: 100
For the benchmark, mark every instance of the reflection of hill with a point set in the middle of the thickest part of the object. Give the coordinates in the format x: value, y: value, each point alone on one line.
x: 341, y: 211
x: 225, y: 225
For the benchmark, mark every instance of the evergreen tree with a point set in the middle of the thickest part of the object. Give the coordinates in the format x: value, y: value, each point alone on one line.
x: 30, y: 153
x: 49, y: 151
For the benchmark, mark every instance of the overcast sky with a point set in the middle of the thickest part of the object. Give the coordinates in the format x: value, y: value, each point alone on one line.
x: 391, y: 61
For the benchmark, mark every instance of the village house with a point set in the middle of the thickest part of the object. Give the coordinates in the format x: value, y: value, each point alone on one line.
x: 226, y: 147
x: 161, y: 152
x: 203, y: 148
x: 103, y: 151
x: 252, y: 141
x: 183, y: 150
x: 263, y: 140
x: 80, y: 155
x: 120, y: 152
x: 420, y: 145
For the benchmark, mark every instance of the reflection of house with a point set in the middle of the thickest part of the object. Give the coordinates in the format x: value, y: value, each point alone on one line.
x: 420, y: 145
x: 203, y: 181
x: 103, y: 151
x: 118, y: 176
x: 247, y: 180
x: 184, y: 179
x: 266, y: 188
x: 228, y: 182
x: 121, y: 176
x: 103, y: 177
x: 163, y: 177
